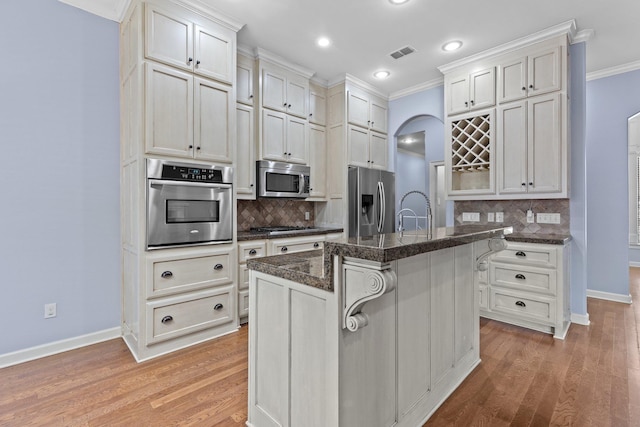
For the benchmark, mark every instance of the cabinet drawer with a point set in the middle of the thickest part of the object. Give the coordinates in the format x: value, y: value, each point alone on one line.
x: 243, y: 277
x: 243, y: 303
x: 483, y: 297
x: 182, y: 275
x: 524, y: 278
x: 186, y: 314
x: 296, y: 246
x: 525, y: 306
x: 536, y: 255
x: 251, y: 249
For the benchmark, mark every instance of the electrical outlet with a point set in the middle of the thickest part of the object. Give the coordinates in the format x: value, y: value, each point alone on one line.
x: 471, y: 217
x: 499, y: 216
x: 491, y: 217
x: 50, y: 310
x: 530, y: 217
x: 307, y: 216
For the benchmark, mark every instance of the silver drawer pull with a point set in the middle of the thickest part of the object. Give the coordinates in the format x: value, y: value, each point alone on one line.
x: 253, y: 252
x: 521, y: 304
x: 218, y: 306
x: 166, y: 274
x: 520, y: 276
x: 218, y: 267
x: 283, y: 249
x: 520, y: 253
x: 167, y: 319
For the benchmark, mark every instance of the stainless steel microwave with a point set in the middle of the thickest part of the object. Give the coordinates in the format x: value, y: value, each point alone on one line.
x: 278, y: 179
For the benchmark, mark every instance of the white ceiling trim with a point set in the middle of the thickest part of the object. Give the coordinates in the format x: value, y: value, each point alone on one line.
x: 417, y: 88
x: 612, y: 71
x: 568, y: 27
x: 209, y: 12
x: 112, y: 10
x: 278, y: 60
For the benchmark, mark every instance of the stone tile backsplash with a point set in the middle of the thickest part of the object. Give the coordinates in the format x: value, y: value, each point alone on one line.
x: 272, y: 212
x: 515, y: 213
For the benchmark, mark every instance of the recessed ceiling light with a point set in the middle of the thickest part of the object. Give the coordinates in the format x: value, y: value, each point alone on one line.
x: 451, y: 46
x: 382, y: 74
x: 398, y: 1
x: 323, y: 42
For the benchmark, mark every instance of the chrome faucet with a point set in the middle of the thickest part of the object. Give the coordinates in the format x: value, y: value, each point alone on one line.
x: 401, y: 219
x: 427, y: 217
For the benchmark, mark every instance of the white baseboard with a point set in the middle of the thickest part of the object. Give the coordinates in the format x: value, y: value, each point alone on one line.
x: 634, y: 264
x: 56, y: 347
x: 580, y: 319
x: 609, y: 296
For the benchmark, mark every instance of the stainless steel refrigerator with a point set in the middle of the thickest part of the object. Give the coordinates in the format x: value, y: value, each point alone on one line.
x: 371, y: 201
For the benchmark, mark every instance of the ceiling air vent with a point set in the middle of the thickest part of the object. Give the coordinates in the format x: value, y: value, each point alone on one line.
x: 402, y: 52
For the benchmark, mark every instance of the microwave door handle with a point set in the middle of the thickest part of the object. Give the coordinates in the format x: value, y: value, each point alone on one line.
x: 301, y: 190
x: 160, y: 182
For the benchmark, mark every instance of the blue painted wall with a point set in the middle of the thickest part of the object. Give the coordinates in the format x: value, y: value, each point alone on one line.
x: 610, y: 102
x: 59, y: 128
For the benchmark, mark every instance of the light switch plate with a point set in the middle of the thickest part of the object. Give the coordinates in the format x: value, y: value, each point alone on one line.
x: 491, y: 217
x: 548, y: 218
x: 499, y: 216
x: 471, y: 217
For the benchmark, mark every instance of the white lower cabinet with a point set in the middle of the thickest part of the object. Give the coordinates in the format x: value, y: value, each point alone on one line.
x: 247, y: 250
x: 290, y: 245
x: 186, y: 296
x: 528, y: 285
x: 419, y: 341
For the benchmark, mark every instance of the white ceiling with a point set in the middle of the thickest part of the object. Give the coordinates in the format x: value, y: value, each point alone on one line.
x: 365, y: 32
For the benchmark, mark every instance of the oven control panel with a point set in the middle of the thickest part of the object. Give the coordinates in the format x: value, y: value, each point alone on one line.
x: 191, y: 174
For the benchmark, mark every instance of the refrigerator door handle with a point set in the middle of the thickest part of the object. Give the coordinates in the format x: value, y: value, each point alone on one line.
x: 381, y: 213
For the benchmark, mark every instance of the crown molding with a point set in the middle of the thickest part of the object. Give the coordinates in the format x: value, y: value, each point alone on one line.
x: 282, y: 62
x: 582, y: 36
x: 417, y: 88
x: 112, y: 10
x: 246, y: 51
x: 348, y: 78
x: 210, y: 13
x: 612, y: 71
x: 566, y: 28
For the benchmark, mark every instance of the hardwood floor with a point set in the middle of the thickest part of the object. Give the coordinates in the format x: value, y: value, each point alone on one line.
x: 525, y: 379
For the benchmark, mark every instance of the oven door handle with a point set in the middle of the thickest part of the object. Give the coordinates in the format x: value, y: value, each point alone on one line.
x: 160, y: 182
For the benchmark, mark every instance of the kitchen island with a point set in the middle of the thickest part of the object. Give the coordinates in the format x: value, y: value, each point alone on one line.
x: 374, y: 331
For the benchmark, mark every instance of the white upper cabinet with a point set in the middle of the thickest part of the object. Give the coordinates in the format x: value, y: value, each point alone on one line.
x: 367, y: 148
x: 470, y: 91
x: 366, y: 110
x: 285, y: 92
x: 187, y: 116
x: 246, y: 163
x: 531, y: 155
x: 284, y: 138
x: 317, y: 105
x: 318, y: 161
x: 244, y: 80
x: 530, y: 75
x: 179, y: 42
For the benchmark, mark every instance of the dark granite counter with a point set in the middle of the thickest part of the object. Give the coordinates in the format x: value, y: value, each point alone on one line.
x: 314, y: 268
x: 256, y: 235
x: 547, y: 239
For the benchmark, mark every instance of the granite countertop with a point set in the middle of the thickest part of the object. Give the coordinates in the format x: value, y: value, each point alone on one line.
x: 548, y: 239
x: 257, y: 235
x: 314, y: 268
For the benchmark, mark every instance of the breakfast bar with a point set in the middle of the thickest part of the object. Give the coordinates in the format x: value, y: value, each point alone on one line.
x: 369, y: 331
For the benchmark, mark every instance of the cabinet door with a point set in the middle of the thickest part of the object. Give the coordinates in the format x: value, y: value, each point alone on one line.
x: 213, y: 121
x: 358, y: 109
x: 246, y: 157
x: 168, y: 111
x: 482, y: 89
x: 274, y: 88
x: 244, y: 81
x: 458, y: 99
x: 544, y: 72
x: 378, y: 150
x: 318, y: 161
x: 296, y: 140
x: 378, y: 115
x: 274, y: 127
x: 297, y: 97
x: 214, y: 54
x: 317, y: 108
x: 545, y: 156
x: 512, y: 148
x: 512, y: 77
x: 169, y: 38
x: 358, y: 146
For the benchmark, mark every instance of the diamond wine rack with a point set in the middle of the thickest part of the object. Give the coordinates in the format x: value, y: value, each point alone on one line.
x: 470, y: 144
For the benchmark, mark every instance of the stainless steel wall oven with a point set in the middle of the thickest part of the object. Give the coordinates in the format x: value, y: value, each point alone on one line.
x: 188, y: 204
